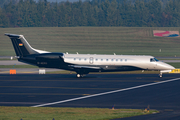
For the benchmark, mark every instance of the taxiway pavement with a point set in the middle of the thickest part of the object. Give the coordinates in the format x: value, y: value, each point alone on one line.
x: 135, y: 91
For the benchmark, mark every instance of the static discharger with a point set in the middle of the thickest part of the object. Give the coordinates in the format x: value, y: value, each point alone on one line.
x: 12, y: 71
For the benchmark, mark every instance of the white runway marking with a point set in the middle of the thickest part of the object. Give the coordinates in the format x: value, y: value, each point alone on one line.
x: 105, y: 93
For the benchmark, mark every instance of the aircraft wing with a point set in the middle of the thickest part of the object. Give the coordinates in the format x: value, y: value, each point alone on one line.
x: 85, y: 67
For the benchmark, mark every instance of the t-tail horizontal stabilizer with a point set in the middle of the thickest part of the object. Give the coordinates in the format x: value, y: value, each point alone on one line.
x: 21, y: 46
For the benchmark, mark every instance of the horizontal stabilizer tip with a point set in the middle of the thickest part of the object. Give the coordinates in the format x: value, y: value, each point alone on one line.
x: 12, y: 35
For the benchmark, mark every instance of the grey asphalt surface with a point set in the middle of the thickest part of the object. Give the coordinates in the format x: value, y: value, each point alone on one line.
x: 34, y: 89
x: 171, y: 61
x: 11, y: 62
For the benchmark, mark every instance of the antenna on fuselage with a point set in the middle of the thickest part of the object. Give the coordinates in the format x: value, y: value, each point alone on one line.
x: 114, y: 53
x: 77, y: 52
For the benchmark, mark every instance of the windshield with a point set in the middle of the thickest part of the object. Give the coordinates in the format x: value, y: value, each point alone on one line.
x: 153, y: 60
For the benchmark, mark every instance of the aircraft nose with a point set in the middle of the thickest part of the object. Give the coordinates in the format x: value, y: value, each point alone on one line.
x: 166, y: 66
x: 170, y: 67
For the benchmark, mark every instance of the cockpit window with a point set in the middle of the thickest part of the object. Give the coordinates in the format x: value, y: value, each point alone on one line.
x: 153, y: 60
x: 156, y: 59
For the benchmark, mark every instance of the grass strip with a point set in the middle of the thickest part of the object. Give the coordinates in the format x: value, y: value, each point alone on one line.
x: 95, y: 40
x: 176, y: 65
x: 50, y: 113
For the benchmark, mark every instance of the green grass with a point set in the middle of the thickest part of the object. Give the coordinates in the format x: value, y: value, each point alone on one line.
x: 48, y: 113
x: 176, y: 65
x: 95, y: 40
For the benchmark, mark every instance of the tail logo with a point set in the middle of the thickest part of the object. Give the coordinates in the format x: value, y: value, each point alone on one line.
x: 20, y: 44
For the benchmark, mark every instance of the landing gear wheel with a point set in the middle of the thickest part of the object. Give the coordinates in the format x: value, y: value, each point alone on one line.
x: 78, y: 75
x: 160, y: 75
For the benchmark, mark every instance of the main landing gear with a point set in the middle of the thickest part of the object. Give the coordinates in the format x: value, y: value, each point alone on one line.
x: 80, y: 75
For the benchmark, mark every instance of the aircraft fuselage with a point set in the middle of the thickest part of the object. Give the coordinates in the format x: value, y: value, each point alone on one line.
x: 84, y: 63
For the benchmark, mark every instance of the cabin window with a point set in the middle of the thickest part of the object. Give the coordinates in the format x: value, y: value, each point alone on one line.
x: 121, y: 60
x: 116, y: 59
x: 84, y: 59
x: 79, y: 59
x: 112, y: 60
x: 74, y: 58
x: 96, y: 59
x: 125, y: 59
x: 106, y: 59
x: 101, y: 59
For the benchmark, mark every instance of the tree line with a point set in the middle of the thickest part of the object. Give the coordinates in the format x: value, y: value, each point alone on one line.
x: 136, y: 13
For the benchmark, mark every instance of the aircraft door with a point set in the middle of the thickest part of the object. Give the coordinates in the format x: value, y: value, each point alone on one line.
x: 91, y: 60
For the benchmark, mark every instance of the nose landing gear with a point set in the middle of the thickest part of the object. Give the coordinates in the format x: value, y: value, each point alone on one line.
x: 160, y: 74
x: 163, y: 71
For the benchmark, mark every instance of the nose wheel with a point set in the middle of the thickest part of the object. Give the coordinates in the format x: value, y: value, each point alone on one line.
x: 160, y: 74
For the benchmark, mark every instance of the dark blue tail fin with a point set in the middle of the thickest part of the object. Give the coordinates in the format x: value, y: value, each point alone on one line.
x: 21, y: 46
